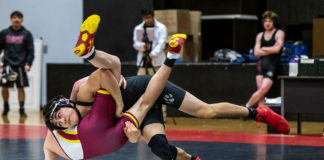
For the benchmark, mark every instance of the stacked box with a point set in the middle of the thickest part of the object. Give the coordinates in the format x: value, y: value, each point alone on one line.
x: 193, y: 52
x: 176, y: 21
x: 318, y: 37
x: 195, y: 23
x: 183, y: 21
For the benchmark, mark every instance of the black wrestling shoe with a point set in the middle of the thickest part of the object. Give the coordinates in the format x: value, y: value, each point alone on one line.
x: 5, y: 111
x: 22, y: 112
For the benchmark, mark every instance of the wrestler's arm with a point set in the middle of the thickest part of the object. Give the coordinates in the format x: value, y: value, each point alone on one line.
x: 49, y: 155
x: 51, y: 148
x: 257, y: 47
x: 275, y: 49
x: 101, y: 79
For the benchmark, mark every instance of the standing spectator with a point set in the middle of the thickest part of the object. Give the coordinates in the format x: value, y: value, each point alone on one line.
x: 150, y: 51
x: 18, y: 46
x: 268, y: 46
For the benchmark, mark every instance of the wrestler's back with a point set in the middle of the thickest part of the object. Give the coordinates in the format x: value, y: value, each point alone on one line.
x: 99, y: 132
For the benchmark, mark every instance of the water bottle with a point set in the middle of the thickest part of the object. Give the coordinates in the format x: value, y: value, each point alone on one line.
x: 293, y: 66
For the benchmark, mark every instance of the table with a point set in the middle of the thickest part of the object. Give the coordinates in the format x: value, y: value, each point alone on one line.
x: 302, y: 94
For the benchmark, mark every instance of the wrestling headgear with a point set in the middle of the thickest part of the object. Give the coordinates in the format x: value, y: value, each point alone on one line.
x: 56, y: 104
x: 8, y: 75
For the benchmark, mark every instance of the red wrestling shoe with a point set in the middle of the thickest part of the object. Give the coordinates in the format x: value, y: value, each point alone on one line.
x: 195, y: 157
x: 85, y: 42
x: 266, y: 115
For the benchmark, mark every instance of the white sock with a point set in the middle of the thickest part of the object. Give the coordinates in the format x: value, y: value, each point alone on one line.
x: 90, y: 53
x: 173, y: 55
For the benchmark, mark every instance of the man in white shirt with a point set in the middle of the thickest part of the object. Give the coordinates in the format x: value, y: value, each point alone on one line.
x: 149, y: 40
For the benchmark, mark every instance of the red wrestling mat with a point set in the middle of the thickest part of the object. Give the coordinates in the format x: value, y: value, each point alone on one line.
x: 239, y: 137
x: 22, y: 131
x: 39, y: 132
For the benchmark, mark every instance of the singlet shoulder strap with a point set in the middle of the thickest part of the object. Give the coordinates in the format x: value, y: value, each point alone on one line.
x: 88, y: 104
x: 274, y: 34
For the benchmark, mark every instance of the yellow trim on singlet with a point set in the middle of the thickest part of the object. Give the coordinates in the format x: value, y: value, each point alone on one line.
x: 70, y: 132
x: 67, y: 140
x: 103, y: 92
x: 132, y: 117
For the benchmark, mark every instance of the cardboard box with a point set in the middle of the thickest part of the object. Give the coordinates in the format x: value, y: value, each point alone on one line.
x: 195, y: 22
x: 318, y: 37
x: 176, y: 21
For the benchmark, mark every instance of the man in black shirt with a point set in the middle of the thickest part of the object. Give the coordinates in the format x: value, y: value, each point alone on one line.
x: 17, y: 43
x: 268, y: 46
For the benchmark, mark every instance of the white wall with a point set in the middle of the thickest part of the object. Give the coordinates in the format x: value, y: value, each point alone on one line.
x: 56, y: 21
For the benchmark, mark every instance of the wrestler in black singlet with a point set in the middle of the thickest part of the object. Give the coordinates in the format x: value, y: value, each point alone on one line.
x: 267, y: 65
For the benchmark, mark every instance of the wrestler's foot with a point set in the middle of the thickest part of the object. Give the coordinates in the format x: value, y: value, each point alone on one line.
x: 88, y: 30
x: 266, y: 115
x: 175, y: 45
x: 5, y: 110
x: 22, y: 112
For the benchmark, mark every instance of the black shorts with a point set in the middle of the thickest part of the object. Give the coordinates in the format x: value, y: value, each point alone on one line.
x: 172, y: 96
x: 21, y: 81
x: 269, y: 70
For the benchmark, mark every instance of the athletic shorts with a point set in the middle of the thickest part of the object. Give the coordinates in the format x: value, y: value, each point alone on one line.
x: 172, y: 96
x: 269, y: 70
x: 21, y: 81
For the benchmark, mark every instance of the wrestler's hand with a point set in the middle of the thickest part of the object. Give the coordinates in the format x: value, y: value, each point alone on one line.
x: 122, y: 82
x: 132, y: 133
x: 27, y: 68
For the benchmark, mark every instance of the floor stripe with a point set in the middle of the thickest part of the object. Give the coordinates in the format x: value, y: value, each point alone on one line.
x: 238, y: 137
x: 22, y: 132
x: 39, y: 132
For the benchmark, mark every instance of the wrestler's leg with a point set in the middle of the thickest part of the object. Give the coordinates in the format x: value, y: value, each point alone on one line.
x: 175, y: 96
x: 158, y: 81
x: 85, y: 49
x: 261, y: 92
x: 195, y: 107
x: 152, y: 92
x: 154, y: 136
x: 105, y: 60
x: 259, y: 79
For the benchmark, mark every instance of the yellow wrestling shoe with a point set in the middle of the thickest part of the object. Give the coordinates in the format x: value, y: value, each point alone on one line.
x: 175, y: 45
x: 85, y: 43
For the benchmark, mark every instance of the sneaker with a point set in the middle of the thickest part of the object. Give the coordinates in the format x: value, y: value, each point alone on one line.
x: 266, y: 115
x: 87, y: 33
x: 22, y: 112
x: 5, y: 111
